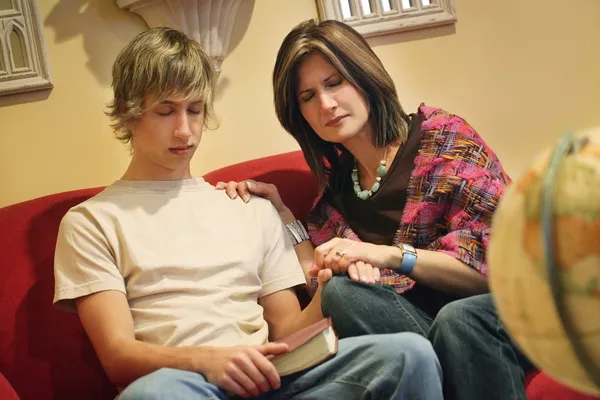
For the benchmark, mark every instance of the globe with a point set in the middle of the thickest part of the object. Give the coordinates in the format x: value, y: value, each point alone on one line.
x: 544, y: 261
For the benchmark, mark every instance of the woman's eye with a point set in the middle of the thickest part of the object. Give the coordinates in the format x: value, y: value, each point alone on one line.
x: 336, y: 83
x: 164, y: 113
x: 195, y: 112
x: 307, y: 98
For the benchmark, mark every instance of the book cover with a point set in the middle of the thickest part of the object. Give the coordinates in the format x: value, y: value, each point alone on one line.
x: 307, y: 347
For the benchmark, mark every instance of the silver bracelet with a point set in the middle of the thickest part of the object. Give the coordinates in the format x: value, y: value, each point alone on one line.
x: 297, y: 232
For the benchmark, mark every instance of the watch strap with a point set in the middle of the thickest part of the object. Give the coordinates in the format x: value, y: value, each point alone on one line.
x: 409, y: 259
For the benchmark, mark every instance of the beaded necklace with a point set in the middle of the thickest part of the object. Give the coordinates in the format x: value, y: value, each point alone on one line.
x: 364, y: 194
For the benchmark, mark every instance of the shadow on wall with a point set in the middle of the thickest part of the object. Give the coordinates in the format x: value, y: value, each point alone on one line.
x: 95, y: 21
x: 72, y: 18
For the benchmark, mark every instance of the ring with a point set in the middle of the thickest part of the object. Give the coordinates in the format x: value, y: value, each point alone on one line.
x: 340, y: 252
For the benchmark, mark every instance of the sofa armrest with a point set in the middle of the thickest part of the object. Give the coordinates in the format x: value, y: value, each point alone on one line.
x: 6, y: 390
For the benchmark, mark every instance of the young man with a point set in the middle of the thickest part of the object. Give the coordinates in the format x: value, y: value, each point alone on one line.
x: 180, y: 289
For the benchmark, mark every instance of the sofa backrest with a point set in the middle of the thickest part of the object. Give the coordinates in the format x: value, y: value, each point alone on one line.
x: 44, y: 352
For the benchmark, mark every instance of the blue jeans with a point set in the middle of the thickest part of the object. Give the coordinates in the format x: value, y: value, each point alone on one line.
x: 478, y: 359
x: 392, y: 366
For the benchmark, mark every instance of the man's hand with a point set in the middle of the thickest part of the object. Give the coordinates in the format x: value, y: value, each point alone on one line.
x: 245, y: 370
x: 359, y: 259
x: 245, y: 188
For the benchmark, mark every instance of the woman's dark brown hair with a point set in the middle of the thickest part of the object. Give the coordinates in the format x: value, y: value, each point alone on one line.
x: 352, y: 56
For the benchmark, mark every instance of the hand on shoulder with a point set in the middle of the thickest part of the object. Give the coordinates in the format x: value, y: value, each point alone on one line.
x: 248, y: 187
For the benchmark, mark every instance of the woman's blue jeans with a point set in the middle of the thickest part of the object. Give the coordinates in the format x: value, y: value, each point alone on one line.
x: 478, y: 359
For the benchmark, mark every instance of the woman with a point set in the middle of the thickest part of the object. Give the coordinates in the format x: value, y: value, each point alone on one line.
x: 404, y: 213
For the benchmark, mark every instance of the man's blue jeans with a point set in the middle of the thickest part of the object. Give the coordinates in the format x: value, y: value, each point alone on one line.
x: 479, y: 361
x: 393, y: 366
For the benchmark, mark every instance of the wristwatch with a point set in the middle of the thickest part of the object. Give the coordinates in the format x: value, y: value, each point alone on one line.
x: 409, y: 258
x: 297, y: 232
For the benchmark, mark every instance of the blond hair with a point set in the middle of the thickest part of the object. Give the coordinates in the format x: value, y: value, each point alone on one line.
x: 352, y: 56
x: 161, y: 62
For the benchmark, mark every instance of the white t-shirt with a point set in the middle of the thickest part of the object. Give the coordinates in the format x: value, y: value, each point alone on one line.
x: 191, y: 261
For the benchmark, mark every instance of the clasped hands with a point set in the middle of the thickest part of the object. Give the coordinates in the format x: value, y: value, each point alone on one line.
x: 360, y: 260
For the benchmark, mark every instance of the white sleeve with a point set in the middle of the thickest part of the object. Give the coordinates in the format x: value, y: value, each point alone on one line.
x: 83, y: 261
x: 280, y: 268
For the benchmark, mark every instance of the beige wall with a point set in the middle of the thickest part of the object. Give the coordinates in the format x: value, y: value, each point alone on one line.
x: 521, y: 73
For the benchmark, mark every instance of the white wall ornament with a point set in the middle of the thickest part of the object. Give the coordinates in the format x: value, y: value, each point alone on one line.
x: 24, y: 63
x: 209, y: 22
x: 381, y: 17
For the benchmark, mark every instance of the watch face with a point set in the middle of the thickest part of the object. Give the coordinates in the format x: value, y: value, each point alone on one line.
x: 408, y: 248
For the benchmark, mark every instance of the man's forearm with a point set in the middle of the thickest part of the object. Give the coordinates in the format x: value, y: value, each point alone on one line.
x: 308, y: 316
x: 134, y: 359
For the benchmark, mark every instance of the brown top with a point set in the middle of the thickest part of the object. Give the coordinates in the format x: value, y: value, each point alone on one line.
x: 377, y: 218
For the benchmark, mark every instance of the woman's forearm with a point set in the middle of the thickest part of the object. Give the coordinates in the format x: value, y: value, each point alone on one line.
x: 434, y: 269
x: 304, y: 250
x: 443, y: 272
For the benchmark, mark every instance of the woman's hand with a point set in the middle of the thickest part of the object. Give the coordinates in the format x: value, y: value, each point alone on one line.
x: 245, y: 188
x: 357, y: 271
x: 359, y: 259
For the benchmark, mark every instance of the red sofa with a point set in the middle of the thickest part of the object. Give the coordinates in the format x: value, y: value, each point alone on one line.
x: 44, y: 353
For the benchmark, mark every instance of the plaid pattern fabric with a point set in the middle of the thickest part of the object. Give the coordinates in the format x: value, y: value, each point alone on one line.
x: 452, y: 194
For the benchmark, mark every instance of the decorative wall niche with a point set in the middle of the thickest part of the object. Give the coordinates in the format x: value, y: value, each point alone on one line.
x: 24, y: 63
x: 209, y: 22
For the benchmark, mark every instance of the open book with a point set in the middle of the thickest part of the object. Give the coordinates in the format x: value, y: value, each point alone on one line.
x: 307, y: 347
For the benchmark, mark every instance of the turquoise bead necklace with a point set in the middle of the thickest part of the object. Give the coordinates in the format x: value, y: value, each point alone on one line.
x: 364, y: 194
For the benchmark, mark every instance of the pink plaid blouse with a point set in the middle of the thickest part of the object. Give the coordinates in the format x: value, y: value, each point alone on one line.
x: 452, y: 194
